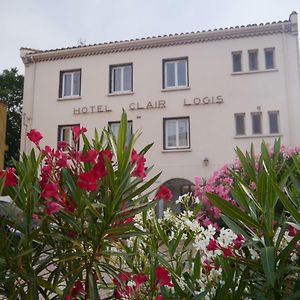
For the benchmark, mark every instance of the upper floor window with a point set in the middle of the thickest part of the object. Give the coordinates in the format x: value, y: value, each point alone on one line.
x: 65, y: 134
x: 273, y: 121
x: 256, y: 122
x: 253, y: 60
x: 121, y: 78
x: 269, y: 58
x: 237, y: 61
x: 70, y: 83
x: 115, y: 129
x: 175, y: 73
x: 177, y: 133
x: 240, y: 124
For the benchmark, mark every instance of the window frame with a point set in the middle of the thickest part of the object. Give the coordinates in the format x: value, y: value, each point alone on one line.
x: 261, y: 122
x: 241, y: 61
x: 273, y: 57
x: 177, y: 147
x: 59, y: 131
x: 62, y: 81
x: 251, y: 51
x: 244, y: 123
x: 164, y: 73
x: 111, y: 78
x: 277, y: 121
x: 118, y: 122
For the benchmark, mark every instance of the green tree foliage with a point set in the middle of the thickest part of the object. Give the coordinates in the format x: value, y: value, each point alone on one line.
x: 11, y: 92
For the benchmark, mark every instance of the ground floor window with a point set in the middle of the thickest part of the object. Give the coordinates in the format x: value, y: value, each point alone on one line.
x: 178, y: 187
x: 65, y: 134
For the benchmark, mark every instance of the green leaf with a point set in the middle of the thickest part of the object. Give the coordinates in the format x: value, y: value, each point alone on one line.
x: 93, y: 290
x: 233, y: 212
x: 268, y: 264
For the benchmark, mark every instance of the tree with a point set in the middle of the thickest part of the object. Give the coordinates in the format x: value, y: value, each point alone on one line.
x: 11, y: 92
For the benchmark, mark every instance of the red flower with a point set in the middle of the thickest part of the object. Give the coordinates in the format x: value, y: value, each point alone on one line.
x: 163, y: 193
x: 140, y: 279
x: 123, y: 277
x: 50, y: 190
x: 100, y: 169
x: 162, y: 276
x: 139, y: 170
x: 10, y: 177
x: 159, y: 297
x: 108, y: 153
x: 292, y: 231
x: 228, y: 252
x: 61, y: 145
x: 77, y: 131
x: 89, y: 156
x: 78, y: 288
x: 87, y: 181
x: 212, y: 245
x: 34, y: 136
x: 239, y: 241
x: 134, y: 156
x: 52, y: 207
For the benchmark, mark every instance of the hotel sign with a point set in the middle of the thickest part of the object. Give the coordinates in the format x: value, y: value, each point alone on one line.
x: 148, y: 105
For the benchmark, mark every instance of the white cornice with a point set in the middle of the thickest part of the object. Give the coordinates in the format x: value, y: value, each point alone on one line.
x: 31, y: 55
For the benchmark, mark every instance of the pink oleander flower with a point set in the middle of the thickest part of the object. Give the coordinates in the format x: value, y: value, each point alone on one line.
x: 34, y: 136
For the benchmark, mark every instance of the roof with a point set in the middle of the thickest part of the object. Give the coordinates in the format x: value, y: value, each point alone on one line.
x: 30, y: 55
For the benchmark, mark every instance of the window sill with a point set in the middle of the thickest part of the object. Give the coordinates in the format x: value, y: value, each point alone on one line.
x: 176, y: 89
x: 176, y: 150
x: 257, y: 136
x: 120, y: 93
x: 69, y: 98
x: 254, y: 72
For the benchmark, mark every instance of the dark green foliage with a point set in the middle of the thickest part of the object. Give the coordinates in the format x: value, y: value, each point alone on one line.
x: 11, y: 92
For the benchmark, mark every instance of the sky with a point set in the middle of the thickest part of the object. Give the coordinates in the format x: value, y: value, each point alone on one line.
x: 49, y: 24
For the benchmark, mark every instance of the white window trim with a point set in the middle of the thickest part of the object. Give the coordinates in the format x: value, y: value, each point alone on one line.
x: 64, y: 127
x: 72, y: 95
x: 177, y: 134
x: 176, y: 62
x: 121, y: 67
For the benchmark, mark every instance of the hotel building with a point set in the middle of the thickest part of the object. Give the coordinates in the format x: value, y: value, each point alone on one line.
x: 197, y: 95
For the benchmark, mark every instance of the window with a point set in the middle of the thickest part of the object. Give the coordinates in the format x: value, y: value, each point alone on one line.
x: 121, y: 78
x: 177, y: 133
x: 240, y: 124
x: 115, y: 129
x: 65, y: 134
x: 237, y: 61
x: 70, y: 83
x: 256, y: 123
x: 175, y: 73
x: 253, y: 60
x: 273, y: 122
x: 269, y: 58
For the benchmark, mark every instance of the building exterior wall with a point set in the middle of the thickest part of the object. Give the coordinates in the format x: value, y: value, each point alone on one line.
x: 212, y: 126
x: 3, y: 146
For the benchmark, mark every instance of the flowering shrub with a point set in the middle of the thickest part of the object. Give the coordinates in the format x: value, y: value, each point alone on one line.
x: 222, y: 181
x: 69, y: 208
x: 83, y: 226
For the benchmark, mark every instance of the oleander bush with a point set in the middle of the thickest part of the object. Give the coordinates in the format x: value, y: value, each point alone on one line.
x: 82, y: 225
